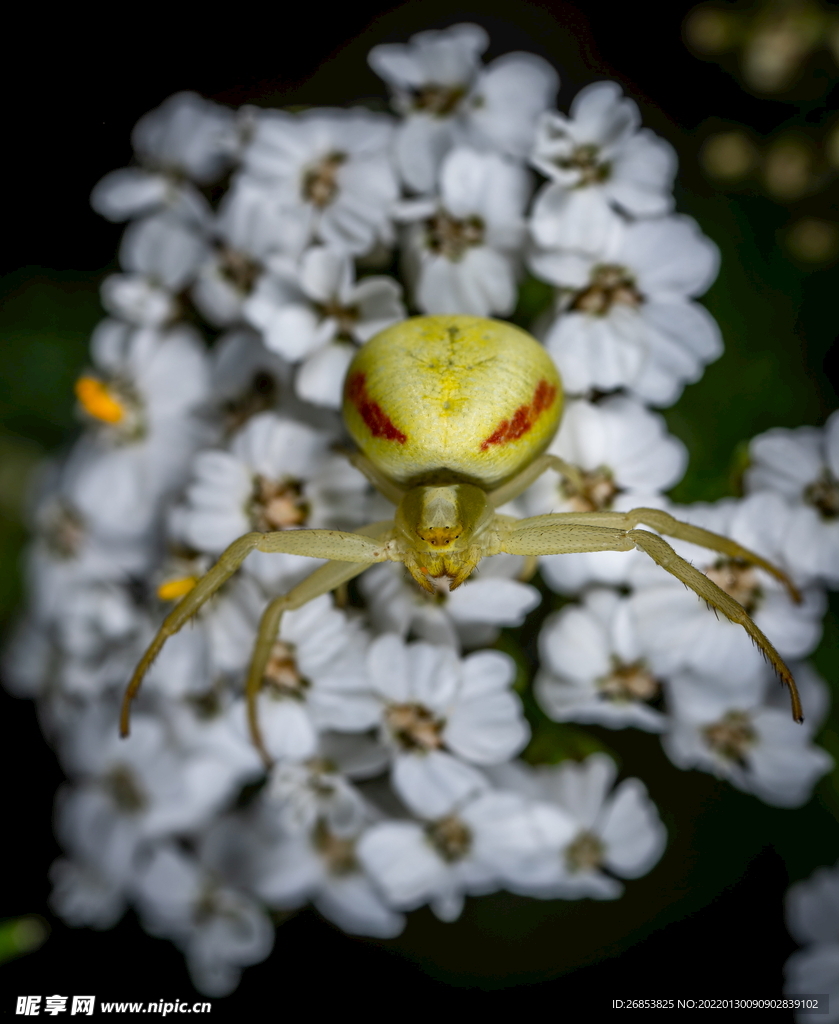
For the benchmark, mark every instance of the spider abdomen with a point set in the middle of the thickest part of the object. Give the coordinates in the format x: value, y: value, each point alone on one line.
x: 478, y: 398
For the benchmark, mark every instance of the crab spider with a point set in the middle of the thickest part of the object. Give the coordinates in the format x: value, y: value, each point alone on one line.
x: 452, y: 415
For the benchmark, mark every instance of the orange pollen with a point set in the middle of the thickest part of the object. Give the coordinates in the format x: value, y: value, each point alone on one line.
x: 173, y: 589
x: 524, y: 417
x: 97, y: 400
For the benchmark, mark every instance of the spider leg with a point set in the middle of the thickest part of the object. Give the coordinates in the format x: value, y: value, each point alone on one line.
x: 333, y: 544
x: 521, y: 481
x: 561, y: 534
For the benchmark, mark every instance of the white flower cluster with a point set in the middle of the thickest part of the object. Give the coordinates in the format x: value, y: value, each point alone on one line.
x: 393, y: 727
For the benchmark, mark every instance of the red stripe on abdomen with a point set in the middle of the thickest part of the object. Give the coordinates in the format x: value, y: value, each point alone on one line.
x: 524, y: 417
x: 376, y: 419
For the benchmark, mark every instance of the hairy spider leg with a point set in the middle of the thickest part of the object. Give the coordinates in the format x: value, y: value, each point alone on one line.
x: 561, y: 533
x: 323, y: 580
x: 335, y: 545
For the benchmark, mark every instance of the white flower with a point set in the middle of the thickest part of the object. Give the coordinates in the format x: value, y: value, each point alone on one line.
x: 186, y: 136
x: 676, y: 628
x: 626, y: 319
x: 803, y: 466
x: 219, y: 930
x: 441, y: 716
x: 612, y: 833
x: 301, y: 794
x: 813, y: 920
x: 469, y: 616
x: 323, y: 175
x: 593, y: 668
x: 731, y: 732
x: 626, y: 458
x: 462, y: 251
x: 315, y: 679
x: 313, y: 310
x: 82, y: 897
x: 161, y: 254
x: 277, y: 475
x: 469, y: 846
x: 445, y: 96
x: 596, y: 159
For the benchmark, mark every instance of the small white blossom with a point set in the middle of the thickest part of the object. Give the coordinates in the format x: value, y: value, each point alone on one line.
x: 441, y: 716
x: 593, y: 666
x: 595, y: 159
x: 813, y: 920
x: 732, y: 733
x: 462, y: 250
x: 220, y: 930
x: 469, y: 846
x: 626, y: 319
x: 612, y: 833
x: 446, y: 97
x: 313, y: 311
x: 324, y: 174
x: 803, y: 466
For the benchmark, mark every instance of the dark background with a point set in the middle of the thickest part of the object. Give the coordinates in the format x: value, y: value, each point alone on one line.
x: 709, y: 920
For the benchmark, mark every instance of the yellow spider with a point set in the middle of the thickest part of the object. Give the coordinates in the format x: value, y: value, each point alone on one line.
x: 452, y: 415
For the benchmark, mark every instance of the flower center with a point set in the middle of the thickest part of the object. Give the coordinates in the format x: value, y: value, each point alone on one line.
x: 63, y: 530
x: 414, y: 727
x: 739, y: 580
x: 339, y: 853
x: 345, y: 316
x: 320, y: 182
x: 277, y: 504
x: 447, y: 236
x: 124, y: 789
x: 438, y: 100
x: 610, y: 285
x: 238, y: 269
x: 628, y: 682
x: 824, y: 495
x: 450, y: 837
x: 585, y: 853
x: 282, y: 674
x: 584, y: 160
x: 259, y: 395
x: 591, y: 491
x: 731, y: 736
x: 114, y: 403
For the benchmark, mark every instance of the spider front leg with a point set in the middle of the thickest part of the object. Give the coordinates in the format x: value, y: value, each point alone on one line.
x: 322, y: 581
x: 563, y: 533
x: 335, y: 545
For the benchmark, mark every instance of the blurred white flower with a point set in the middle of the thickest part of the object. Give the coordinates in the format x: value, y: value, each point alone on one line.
x: 729, y: 730
x: 323, y: 175
x: 469, y: 846
x: 593, y: 667
x: 625, y: 316
x: 447, y: 97
x: 596, y: 159
x: 441, y: 716
x: 813, y: 920
x: 313, y: 310
x: 612, y: 833
x: 219, y: 930
x: 462, y: 251
x: 803, y: 466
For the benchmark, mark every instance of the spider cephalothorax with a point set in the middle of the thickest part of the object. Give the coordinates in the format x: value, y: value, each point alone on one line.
x: 452, y: 416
